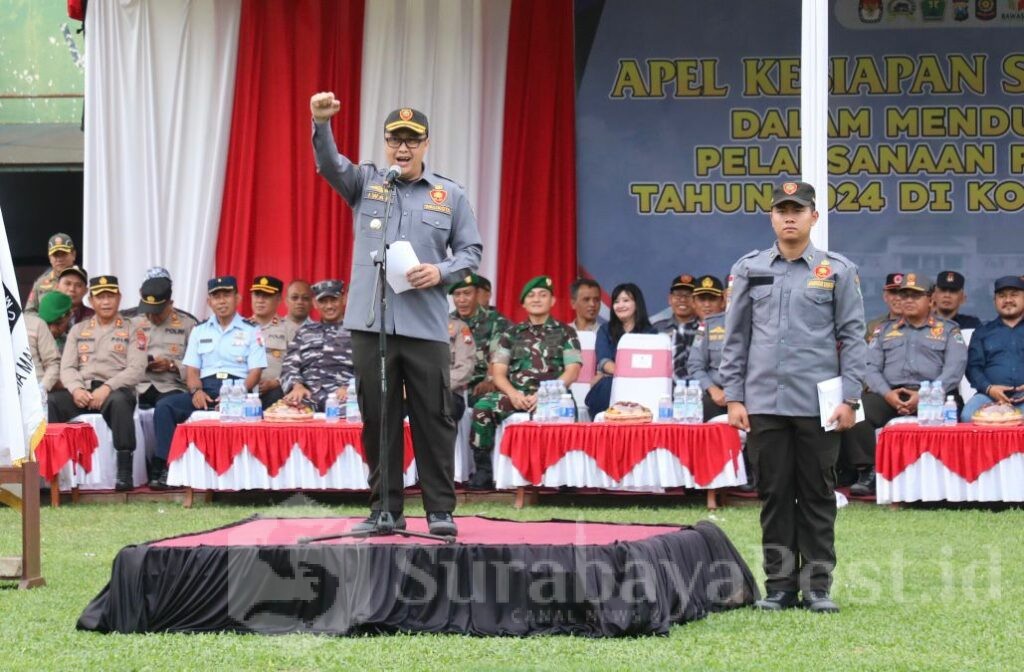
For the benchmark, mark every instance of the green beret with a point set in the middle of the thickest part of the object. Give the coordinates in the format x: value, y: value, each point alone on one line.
x: 471, y: 280
x: 542, y: 281
x: 53, y: 306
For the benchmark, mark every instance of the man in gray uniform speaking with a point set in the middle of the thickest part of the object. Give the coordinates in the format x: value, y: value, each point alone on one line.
x: 433, y: 214
x: 795, y: 318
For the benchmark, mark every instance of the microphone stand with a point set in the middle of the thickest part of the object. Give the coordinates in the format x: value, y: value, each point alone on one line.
x: 385, y: 521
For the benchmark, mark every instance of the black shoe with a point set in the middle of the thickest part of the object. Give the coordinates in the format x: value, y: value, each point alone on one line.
x: 777, y: 601
x: 481, y: 480
x: 442, y: 524
x: 747, y: 487
x: 159, y: 480
x: 124, y: 480
x: 372, y: 522
x: 819, y: 601
x: 865, y: 485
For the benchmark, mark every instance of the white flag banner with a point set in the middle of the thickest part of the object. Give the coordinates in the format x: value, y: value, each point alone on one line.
x: 22, y: 424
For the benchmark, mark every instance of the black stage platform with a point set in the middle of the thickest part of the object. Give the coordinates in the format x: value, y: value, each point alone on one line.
x: 501, y: 578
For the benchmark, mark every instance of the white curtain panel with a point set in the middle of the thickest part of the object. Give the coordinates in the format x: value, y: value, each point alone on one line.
x: 159, y: 84
x: 814, y: 109
x: 445, y: 58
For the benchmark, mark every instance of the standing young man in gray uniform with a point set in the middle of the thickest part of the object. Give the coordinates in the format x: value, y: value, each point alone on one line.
x: 795, y: 318
x: 433, y: 214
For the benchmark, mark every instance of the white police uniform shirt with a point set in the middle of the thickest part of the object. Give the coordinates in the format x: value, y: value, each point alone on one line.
x: 234, y: 350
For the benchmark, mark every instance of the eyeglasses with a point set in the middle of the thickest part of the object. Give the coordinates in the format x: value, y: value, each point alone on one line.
x: 395, y: 143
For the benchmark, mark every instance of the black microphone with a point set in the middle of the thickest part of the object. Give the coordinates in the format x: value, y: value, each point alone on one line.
x: 393, y: 173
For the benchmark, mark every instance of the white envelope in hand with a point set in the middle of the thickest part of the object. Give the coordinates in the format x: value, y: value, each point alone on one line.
x: 830, y: 395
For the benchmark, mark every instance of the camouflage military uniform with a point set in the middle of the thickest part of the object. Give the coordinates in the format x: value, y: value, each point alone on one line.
x: 487, y: 326
x: 44, y: 284
x: 320, y: 358
x: 533, y: 353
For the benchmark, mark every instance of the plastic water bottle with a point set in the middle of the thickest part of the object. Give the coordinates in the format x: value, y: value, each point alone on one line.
x: 332, y: 408
x: 352, y: 413
x: 253, y: 408
x: 566, y: 409
x: 924, y: 404
x: 43, y: 400
x: 665, y: 409
x: 224, y: 399
x: 559, y: 391
x: 949, y: 412
x: 544, y: 395
x: 938, y: 401
x: 238, y: 401
x: 694, y: 409
x: 679, y: 402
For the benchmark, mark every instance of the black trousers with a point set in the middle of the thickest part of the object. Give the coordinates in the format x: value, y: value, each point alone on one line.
x: 423, y: 367
x: 271, y: 397
x: 118, y: 411
x: 152, y: 395
x: 711, y: 409
x: 794, y: 459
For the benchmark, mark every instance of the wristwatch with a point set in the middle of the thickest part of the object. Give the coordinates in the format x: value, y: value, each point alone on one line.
x: 854, y: 404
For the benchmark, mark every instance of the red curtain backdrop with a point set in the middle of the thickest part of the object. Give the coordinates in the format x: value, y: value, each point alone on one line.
x: 278, y: 216
x: 538, y: 183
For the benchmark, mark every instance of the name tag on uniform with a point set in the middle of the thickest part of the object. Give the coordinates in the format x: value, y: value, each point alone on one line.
x: 758, y: 280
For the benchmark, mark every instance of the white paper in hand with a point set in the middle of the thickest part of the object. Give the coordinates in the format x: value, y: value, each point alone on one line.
x: 401, y: 257
x: 830, y: 395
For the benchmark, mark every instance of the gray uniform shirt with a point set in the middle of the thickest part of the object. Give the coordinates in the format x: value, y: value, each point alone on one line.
x: 791, y: 325
x: 904, y: 355
x: 706, y: 352
x: 432, y: 213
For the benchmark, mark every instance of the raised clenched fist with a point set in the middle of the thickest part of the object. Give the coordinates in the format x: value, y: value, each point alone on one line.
x: 324, y: 105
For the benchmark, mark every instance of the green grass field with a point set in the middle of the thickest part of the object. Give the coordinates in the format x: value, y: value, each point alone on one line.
x: 920, y: 589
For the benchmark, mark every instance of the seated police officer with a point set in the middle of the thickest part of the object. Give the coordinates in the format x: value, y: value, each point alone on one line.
x: 224, y: 347
x: 917, y: 346
x: 706, y: 352
x: 100, y: 367
x: 277, y: 333
x: 165, y: 329
x: 995, y: 360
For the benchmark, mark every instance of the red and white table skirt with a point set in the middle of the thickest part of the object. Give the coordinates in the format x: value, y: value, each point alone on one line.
x: 210, y: 455
x: 646, y: 457
x: 962, y: 463
x: 66, y: 448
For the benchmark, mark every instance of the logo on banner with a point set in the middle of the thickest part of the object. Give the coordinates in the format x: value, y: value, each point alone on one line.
x: 985, y: 10
x: 933, y: 10
x: 902, y: 8
x: 870, y: 11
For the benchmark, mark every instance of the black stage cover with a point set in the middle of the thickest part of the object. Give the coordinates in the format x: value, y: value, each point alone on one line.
x: 609, y: 590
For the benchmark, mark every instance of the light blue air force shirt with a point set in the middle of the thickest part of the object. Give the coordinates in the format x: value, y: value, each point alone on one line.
x: 234, y: 350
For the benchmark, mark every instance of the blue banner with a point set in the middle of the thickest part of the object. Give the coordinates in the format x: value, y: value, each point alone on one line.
x: 688, y: 114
